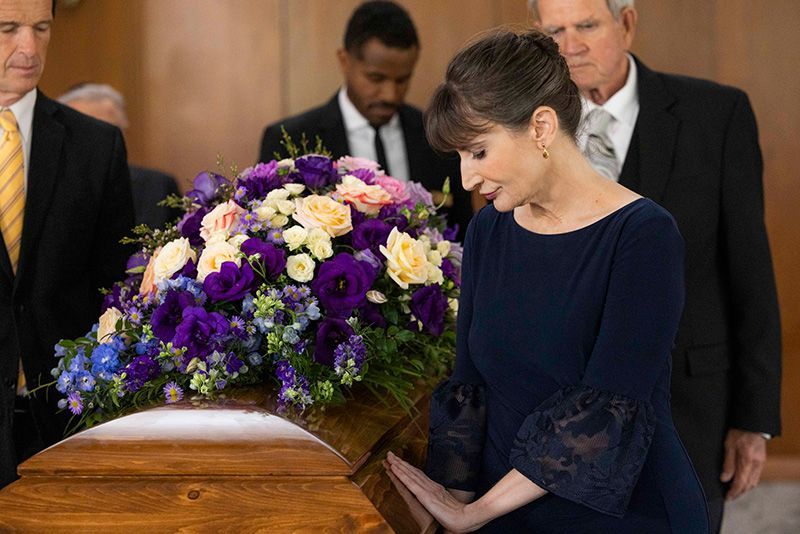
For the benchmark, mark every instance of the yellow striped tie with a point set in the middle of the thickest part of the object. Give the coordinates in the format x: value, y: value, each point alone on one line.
x: 12, y: 197
x: 12, y: 186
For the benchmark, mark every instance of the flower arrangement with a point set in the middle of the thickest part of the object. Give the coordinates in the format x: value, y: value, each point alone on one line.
x: 314, y: 273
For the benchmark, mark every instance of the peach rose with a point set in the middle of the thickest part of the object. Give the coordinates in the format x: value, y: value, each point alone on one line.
x: 108, y: 325
x: 214, y: 255
x: 316, y: 211
x: 393, y: 186
x: 406, y: 261
x: 217, y: 223
x: 366, y: 198
x: 148, y: 285
x: 173, y: 256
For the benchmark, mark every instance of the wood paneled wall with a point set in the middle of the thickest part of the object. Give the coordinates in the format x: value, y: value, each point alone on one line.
x: 203, y: 77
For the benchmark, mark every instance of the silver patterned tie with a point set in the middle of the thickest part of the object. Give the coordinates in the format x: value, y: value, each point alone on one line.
x: 599, y: 149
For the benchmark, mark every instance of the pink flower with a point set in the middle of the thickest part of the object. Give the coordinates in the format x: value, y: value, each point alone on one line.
x: 217, y: 223
x: 394, y: 187
x: 366, y: 198
x: 351, y: 163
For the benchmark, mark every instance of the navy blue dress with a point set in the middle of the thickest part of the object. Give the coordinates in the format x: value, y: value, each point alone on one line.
x: 563, y: 373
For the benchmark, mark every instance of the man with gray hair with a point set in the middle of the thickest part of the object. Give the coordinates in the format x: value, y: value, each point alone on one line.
x: 149, y: 186
x: 692, y: 146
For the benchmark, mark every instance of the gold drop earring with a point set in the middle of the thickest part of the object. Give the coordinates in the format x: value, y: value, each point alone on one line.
x: 545, y: 153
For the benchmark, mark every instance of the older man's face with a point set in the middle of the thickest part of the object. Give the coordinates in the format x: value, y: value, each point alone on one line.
x: 593, y: 42
x: 24, y: 36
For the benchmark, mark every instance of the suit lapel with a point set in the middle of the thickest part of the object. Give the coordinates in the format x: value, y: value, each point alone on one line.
x: 332, y: 130
x: 46, y: 139
x: 657, y: 131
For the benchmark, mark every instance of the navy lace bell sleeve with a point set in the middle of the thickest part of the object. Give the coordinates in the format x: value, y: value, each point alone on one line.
x: 588, y: 442
x: 458, y: 410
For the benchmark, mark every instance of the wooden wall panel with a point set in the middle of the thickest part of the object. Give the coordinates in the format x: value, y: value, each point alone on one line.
x: 213, y: 76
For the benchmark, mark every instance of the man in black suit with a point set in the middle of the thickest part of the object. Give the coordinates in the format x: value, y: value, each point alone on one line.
x: 149, y: 186
x: 77, y: 205
x: 692, y: 146
x: 368, y: 117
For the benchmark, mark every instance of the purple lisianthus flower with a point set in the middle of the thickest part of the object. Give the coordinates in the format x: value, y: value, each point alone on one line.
x: 451, y: 232
x: 371, y: 315
x: 272, y: 258
x: 112, y: 299
x: 371, y: 234
x: 331, y: 332
x: 450, y: 271
x: 233, y: 364
x: 316, y: 172
x: 200, y: 332
x: 189, y: 270
x: 189, y: 226
x: 429, y: 304
x: 365, y: 175
x: 140, y: 370
x: 137, y: 260
x: 257, y: 181
x: 168, y: 315
x: 231, y: 283
x: 206, y: 187
x: 391, y: 215
x: 342, y: 284
x: 417, y: 194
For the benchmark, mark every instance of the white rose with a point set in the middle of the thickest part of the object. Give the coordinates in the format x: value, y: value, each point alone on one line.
x: 435, y: 275
x: 295, y: 237
x: 279, y: 221
x: 238, y: 239
x: 453, y: 304
x: 278, y: 194
x: 173, y: 256
x: 265, y: 212
x: 443, y: 247
x: 376, y: 297
x: 294, y: 189
x: 214, y: 256
x: 435, y: 258
x: 300, y: 267
x: 108, y: 325
x: 322, y: 249
x: 286, y: 207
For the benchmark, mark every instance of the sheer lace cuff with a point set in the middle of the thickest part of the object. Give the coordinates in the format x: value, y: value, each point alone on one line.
x: 586, y: 445
x: 456, y: 434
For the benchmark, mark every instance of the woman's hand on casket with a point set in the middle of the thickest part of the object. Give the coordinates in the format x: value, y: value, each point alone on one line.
x: 451, y: 513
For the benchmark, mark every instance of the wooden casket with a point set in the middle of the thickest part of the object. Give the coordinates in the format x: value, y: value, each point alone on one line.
x: 229, y: 465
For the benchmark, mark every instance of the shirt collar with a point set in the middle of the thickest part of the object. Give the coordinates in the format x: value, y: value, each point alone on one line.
x: 624, y: 104
x: 23, y: 112
x: 353, y: 119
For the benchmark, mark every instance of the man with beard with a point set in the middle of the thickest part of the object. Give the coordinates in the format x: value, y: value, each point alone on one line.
x: 368, y: 117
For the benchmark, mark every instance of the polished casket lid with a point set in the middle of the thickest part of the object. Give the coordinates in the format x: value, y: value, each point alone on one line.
x: 244, y: 434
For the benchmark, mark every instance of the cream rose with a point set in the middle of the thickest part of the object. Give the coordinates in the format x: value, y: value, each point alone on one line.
x: 295, y: 237
x: 366, y: 198
x: 406, y: 261
x: 322, y: 250
x: 218, y: 222
x: 108, y: 325
x: 172, y: 258
x: 300, y: 267
x: 444, y: 248
x: 316, y: 211
x: 214, y: 256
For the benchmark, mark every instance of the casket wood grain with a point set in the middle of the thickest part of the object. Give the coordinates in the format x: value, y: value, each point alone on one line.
x: 230, y: 465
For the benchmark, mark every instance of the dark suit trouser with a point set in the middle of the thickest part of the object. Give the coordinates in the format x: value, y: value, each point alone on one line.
x: 27, y: 440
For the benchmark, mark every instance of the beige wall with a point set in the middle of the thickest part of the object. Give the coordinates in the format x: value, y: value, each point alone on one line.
x: 204, y: 76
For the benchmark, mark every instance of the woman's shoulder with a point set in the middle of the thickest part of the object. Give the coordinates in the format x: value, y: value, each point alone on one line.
x: 644, y: 218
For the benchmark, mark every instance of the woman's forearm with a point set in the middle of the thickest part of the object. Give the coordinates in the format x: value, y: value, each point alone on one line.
x: 511, y: 492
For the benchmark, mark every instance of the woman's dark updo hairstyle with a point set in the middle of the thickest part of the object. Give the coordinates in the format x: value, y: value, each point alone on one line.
x: 501, y: 78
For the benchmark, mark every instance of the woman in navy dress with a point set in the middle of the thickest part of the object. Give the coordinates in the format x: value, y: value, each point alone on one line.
x: 556, y: 417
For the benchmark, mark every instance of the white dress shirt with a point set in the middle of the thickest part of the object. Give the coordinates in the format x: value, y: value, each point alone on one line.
x: 23, y: 112
x: 361, y: 138
x: 623, y: 106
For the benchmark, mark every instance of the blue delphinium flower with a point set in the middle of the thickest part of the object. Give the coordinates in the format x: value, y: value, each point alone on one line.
x: 349, y: 358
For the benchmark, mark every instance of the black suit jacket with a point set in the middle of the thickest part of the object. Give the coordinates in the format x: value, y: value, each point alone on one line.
x: 77, y: 207
x: 425, y: 165
x: 695, y: 151
x: 150, y: 187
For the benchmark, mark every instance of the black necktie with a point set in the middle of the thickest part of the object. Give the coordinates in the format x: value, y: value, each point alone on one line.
x: 380, y: 152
